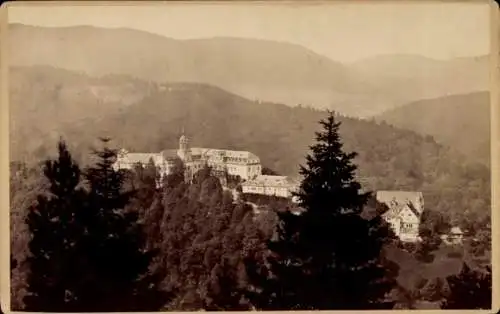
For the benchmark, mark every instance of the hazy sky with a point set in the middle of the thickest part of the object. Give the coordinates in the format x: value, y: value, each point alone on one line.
x: 342, y: 31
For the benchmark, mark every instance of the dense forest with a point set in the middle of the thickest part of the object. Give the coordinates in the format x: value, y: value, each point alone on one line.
x: 192, y: 245
x: 388, y: 157
x: 443, y: 117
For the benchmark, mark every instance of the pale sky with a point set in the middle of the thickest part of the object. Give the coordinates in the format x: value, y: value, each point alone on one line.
x: 342, y: 31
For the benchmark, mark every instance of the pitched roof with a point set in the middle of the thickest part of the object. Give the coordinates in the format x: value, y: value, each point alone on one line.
x: 386, y: 196
x: 391, y: 198
x: 268, y: 180
x: 396, y: 210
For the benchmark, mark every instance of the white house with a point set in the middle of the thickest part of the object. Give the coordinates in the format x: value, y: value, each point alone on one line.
x: 404, y: 212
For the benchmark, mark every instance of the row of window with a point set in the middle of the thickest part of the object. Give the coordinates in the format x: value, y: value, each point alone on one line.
x: 238, y: 159
x: 408, y: 227
x: 261, y: 188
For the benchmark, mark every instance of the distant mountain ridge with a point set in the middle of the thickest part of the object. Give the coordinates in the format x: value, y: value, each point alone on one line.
x: 411, y: 77
x: 255, y: 69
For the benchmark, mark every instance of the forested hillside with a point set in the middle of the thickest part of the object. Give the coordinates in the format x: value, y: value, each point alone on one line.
x: 389, y: 158
x: 203, y: 240
x: 43, y: 98
x: 458, y: 121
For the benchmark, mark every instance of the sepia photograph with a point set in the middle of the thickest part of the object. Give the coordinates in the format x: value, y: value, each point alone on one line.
x: 249, y: 156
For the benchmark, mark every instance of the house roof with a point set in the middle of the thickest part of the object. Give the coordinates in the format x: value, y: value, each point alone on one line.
x: 268, y: 180
x: 396, y: 210
x: 392, y: 198
x: 386, y: 196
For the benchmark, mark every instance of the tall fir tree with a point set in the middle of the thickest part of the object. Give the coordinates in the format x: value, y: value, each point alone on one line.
x: 118, y: 277
x: 55, y: 237
x: 328, y: 257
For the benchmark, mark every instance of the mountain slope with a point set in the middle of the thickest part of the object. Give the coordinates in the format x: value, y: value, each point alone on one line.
x: 389, y: 158
x: 459, y: 121
x: 42, y: 98
x: 255, y: 69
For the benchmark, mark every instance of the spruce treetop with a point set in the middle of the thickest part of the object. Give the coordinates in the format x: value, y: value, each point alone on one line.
x: 329, y: 174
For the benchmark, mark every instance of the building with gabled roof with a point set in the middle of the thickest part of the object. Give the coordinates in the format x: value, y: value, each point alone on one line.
x: 414, y: 197
x: 404, y: 211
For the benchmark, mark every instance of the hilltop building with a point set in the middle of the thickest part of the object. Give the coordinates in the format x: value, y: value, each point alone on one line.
x: 281, y: 186
x: 404, y: 212
x: 404, y: 208
x: 239, y: 164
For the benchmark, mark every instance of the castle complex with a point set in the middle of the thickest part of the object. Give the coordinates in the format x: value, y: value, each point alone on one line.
x: 404, y: 208
x: 242, y: 164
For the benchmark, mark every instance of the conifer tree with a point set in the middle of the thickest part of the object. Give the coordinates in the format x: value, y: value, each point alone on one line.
x: 114, y: 247
x: 147, y: 198
x: 470, y: 289
x: 56, y: 234
x: 175, y: 177
x: 224, y: 292
x: 328, y: 257
x: 145, y: 181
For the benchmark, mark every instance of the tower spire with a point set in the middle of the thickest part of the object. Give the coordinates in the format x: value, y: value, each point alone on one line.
x: 183, y: 146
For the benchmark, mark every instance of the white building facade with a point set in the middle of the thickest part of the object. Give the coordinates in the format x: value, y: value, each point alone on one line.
x: 242, y: 164
x: 280, y: 186
x: 404, y: 212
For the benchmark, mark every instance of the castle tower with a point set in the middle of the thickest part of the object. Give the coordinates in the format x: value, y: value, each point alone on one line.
x: 183, y: 152
x: 183, y: 143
